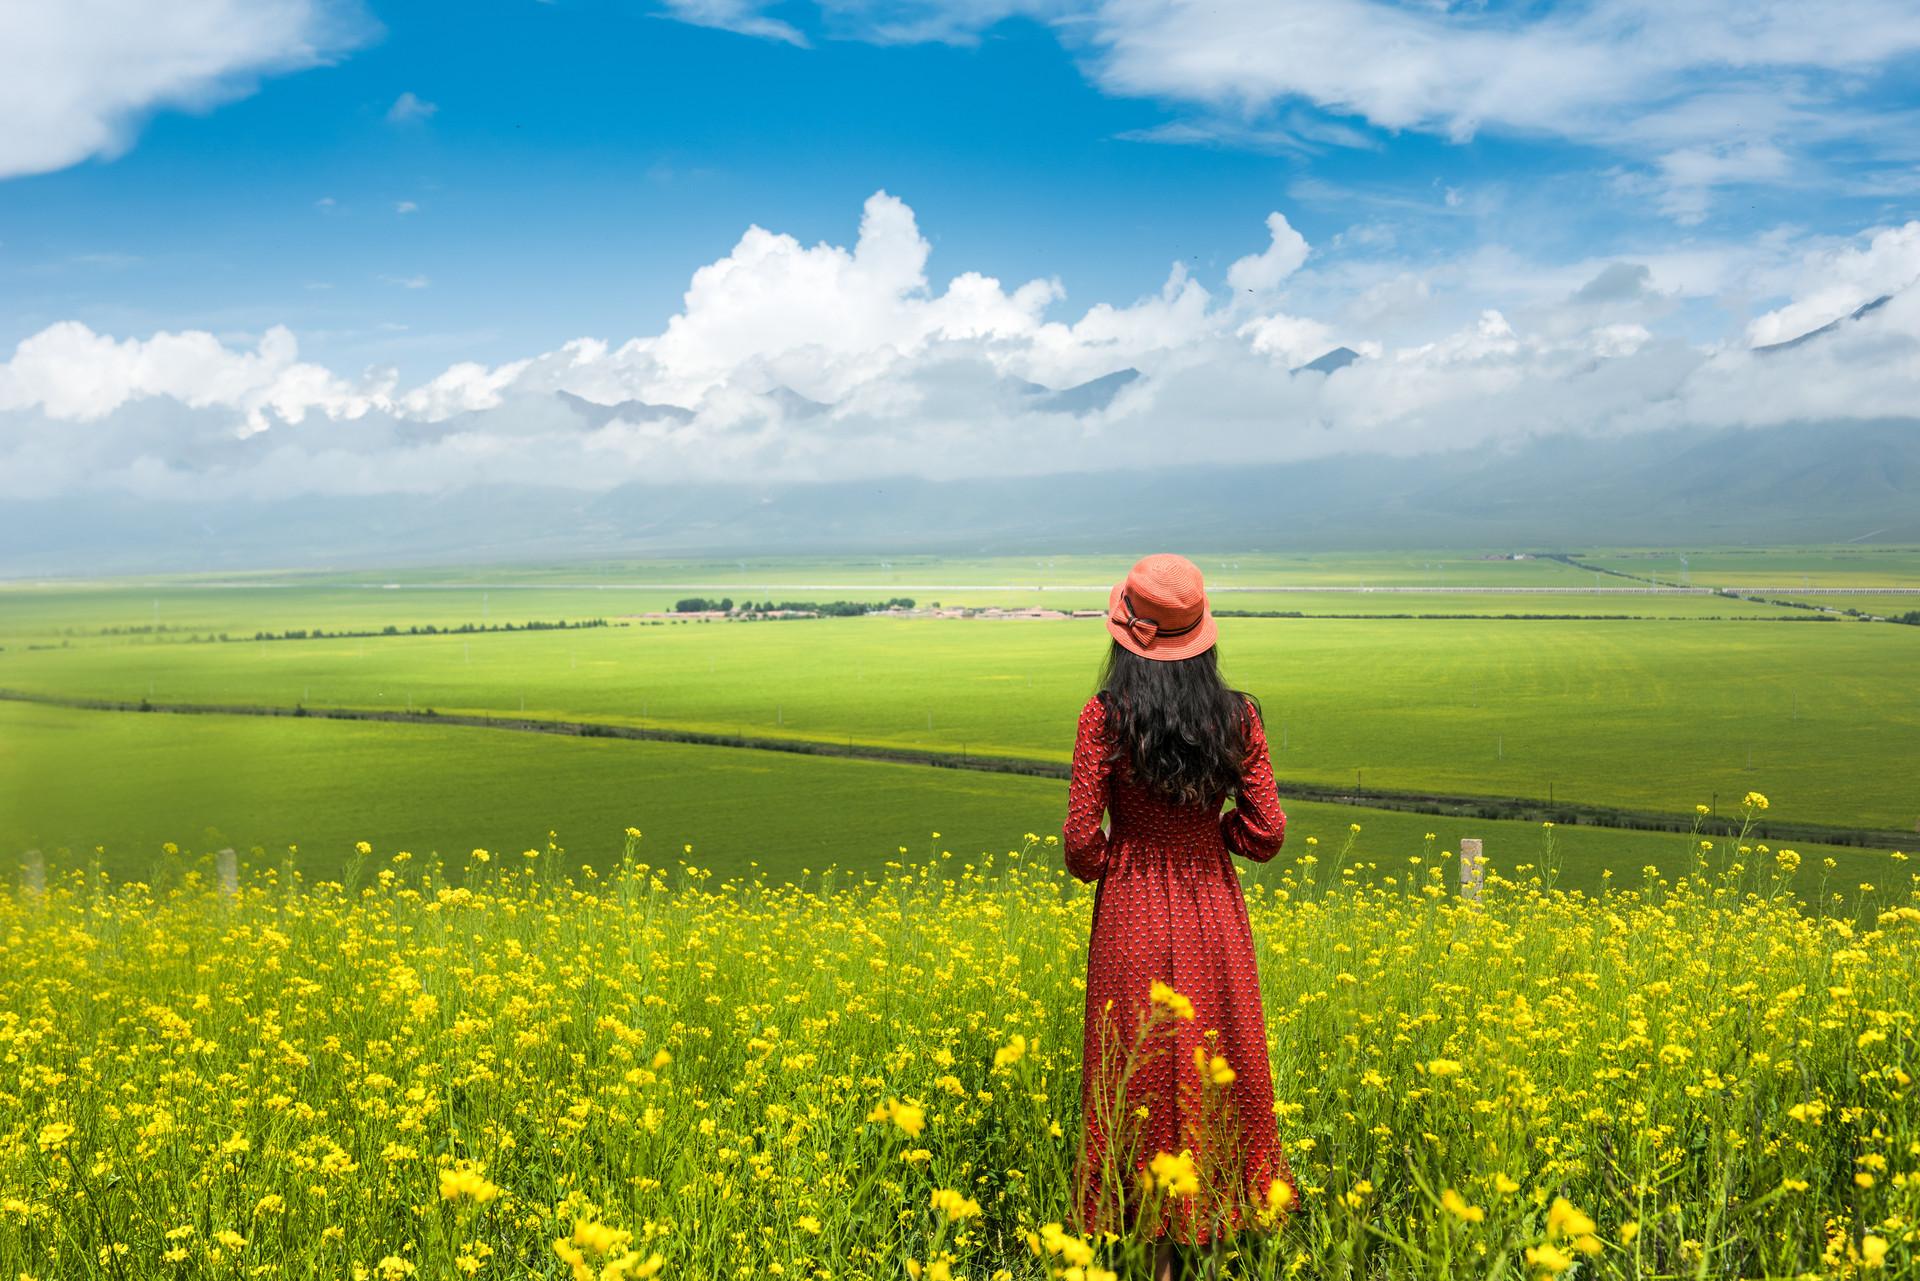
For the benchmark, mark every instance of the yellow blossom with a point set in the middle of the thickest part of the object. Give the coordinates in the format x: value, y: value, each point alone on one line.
x: 1175, y: 1173
x: 909, y: 1117
x: 1173, y: 1002
x: 467, y: 1182
x: 1455, y: 1204
x: 953, y: 1205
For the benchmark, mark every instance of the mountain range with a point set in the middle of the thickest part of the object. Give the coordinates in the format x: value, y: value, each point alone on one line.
x: 1846, y: 481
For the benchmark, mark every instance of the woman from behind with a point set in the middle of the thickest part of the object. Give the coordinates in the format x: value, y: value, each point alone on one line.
x: 1178, y: 1138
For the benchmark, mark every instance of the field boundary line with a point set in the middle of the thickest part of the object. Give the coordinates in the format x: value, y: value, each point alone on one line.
x: 1435, y: 803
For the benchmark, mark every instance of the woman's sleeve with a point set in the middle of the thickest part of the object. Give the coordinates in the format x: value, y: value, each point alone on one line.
x: 1084, y: 843
x: 1256, y: 825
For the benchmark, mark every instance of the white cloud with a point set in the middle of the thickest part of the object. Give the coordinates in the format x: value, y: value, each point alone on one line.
x: 68, y: 372
x: 742, y: 16
x: 464, y: 388
x: 410, y: 108
x: 1833, y: 281
x: 827, y: 361
x: 78, y: 76
x: 1262, y: 273
x: 823, y: 320
x: 1712, y: 93
x: 405, y: 207
x: 407, y: 282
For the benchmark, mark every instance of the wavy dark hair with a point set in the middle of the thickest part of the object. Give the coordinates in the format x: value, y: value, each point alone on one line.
x: 1178, y: 725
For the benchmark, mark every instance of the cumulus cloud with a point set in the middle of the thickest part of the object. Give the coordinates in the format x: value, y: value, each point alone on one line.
x: 67, y: 371
x: 78, y: 76
x: 826, y: 361
x: 1263, y: 272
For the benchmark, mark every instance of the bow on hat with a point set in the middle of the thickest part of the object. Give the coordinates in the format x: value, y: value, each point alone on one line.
x: 1144, y: 629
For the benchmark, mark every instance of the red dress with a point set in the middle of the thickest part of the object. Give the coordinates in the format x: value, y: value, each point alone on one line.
x: 1169, y: 908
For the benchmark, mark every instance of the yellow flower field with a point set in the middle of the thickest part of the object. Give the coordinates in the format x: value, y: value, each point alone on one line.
x: 522, y: 1066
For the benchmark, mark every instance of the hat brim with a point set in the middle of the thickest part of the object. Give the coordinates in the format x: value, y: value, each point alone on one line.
x: 1163, y: 649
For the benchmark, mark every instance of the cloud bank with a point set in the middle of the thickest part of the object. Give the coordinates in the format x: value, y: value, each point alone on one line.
x: 788, y: 362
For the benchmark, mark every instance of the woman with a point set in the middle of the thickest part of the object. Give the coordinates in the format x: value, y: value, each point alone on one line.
x: 1176, y: 1092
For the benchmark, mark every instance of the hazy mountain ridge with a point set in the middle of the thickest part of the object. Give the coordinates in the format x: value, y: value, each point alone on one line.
x: 1858, y: 313
x: 1338, y: 358
x: 1809, y: 482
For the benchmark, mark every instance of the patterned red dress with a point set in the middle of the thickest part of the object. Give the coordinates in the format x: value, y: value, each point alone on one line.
x: 1169, y: 908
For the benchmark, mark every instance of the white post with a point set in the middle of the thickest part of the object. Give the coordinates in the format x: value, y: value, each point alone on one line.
x: 33, y: 874
x: 1473, y: 868
x: 229, y: 871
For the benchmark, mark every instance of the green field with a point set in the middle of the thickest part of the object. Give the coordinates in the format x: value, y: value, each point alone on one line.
x: 1707, y: 699
x: 1880, y: 605
x: 1656, y: 715
x: 183, y: 608
x: 175, y: 615
x: 73, y: 780
x: 1768, y: 566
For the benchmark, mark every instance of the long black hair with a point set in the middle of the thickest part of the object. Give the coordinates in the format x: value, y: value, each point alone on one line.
x: 1183, y: 731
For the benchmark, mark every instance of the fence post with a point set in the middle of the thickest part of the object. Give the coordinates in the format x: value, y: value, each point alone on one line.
x: 1473, y: 868
x: 33, y: 874
x: 229, y: 871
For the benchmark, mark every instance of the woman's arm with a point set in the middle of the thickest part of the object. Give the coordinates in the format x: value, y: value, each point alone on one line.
x: 1084, y: 843
x: 1256, y: 825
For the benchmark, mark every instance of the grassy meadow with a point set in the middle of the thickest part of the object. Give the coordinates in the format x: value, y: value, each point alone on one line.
x: 134, y: 784
x: 1860, y: 566
x: 1642, y: 714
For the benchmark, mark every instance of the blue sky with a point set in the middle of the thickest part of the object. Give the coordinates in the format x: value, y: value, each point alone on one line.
x: 581, y: 158
x: 412, y: 187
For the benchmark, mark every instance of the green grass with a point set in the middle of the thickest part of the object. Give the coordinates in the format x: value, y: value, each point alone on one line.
x: 1769, y: 566
x: 130, y: 782
x: 1403, y: 568
x: 1654, y: 715
x: 1883, y: 606
x: 120, y: 611
x: 74, y: 780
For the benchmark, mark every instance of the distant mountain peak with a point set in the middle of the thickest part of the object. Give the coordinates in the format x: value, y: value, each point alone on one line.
x: 1081, y: 398
x: 600, y: 415
x: 1864, y: 309
x: 1338, y: 358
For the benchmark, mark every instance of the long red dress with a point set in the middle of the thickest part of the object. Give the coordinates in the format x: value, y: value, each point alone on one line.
x: 1169, y: 908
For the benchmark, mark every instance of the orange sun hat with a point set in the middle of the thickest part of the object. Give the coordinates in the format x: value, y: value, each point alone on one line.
x: 1160, y: 611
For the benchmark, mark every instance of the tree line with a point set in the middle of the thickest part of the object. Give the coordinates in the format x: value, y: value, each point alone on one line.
x: 829, y: 609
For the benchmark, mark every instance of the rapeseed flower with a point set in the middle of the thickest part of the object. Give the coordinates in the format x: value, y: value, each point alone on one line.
x: 1456, y: 1205
x: 911, y: 1118
x: 1175, y: 1173
x: 1163, y: 995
